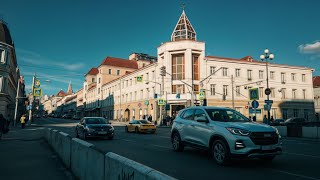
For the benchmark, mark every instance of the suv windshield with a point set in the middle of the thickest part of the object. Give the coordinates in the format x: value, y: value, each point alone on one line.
x: 95, y: 121
x: 226, y: 115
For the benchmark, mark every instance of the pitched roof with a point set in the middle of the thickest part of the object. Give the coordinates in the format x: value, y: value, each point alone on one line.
x: 183, y: 29
x: 111, y: 61
x: 93, y: 71
x: 61, y: 93
x: 316, y: 81
x: 5, y: 36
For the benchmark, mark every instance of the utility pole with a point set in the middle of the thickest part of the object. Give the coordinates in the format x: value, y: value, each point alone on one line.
x: 232, y: 86
x: 33, y: 99
x: 17, y: 101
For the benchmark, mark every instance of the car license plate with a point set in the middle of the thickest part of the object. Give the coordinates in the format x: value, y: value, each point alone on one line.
x: 102, y: 132
x: 267, y: 147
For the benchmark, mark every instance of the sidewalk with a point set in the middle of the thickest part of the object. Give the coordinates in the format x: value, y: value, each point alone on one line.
x: 24, y: 154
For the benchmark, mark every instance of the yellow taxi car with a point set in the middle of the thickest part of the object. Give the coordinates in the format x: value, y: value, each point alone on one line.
x: 141, y: 126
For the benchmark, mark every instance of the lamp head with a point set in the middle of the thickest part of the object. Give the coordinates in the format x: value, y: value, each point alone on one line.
x: 262, y: 57
x: 266, y: 51
x: 271, y: 56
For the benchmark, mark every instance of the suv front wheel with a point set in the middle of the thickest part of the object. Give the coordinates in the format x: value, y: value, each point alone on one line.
x: 220, y: 152
x: 176, y: 143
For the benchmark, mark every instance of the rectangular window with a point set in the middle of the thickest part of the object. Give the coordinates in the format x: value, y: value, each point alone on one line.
x: 99, y: 80
x: 249, y: 74
x: 178, y: 67
x: 237, y: 72
x: 147, y: 77
x: 213, y: 89
x: 294, y: 93
x: 271, y: 74
x: 141, y: 94
x: 118, y: 72
x: 295, y: 112
x: 127, y: 83
x: 225, y: 90
x: 212, y: 69
x: 135, y: 95
x: 2, y: 56
x: 238, y: 90
x: 1, y: 83
x: 303, y: 78
x: 283, y: 93
x: 293, y: 76
x: 130, y: 96
x: 283, y: 78
x: 98, y: 90
x: 195, y: 88
x: 178, y: 89
x: 273, y: 95
x: 110, y: 71
x: 130, y: 82
x: 261, y: 92
x: 304, y: 93
x: 224, y: 71
x: 284, y: 114
x: 260, y: 74
x: 148, y: 93
x: 152, y: 75
x: 93, y: 80
x: 306, y: 114
x: 195, y: 59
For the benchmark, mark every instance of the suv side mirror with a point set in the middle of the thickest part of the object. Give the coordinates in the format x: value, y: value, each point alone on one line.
x: 202, y: 119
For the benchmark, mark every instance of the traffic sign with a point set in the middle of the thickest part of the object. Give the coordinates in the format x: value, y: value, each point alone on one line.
x: 146, y: 102
x: 161, y: 102
x: 37, y: 92
x: 139, y: 104
x: 267, y: 107
x: 267, y: 91
x: 252, y: 111
x: 139, y: 78
x: 255, y: 104
x: 268, y: 101
x: 254, y: 94
x: 37, y: 83
x: 246, y: 106
x: 201, y: 95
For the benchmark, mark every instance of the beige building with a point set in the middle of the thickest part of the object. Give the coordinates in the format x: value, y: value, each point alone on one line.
x: 114, y: 88
x: 316, y: 89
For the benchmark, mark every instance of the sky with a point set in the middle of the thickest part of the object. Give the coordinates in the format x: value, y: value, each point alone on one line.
x: 60, y: 40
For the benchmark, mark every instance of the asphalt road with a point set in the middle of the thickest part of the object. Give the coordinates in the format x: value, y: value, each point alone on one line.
x: 300, y: 160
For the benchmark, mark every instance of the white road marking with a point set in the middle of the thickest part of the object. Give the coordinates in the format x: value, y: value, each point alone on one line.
x: 293, y: 174
x: 305, y: 155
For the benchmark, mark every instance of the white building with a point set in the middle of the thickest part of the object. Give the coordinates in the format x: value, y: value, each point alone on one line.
x: 187, y: 71
x: 316, y: 89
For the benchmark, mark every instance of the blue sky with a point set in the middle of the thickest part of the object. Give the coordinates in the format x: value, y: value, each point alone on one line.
x: 61, y: 40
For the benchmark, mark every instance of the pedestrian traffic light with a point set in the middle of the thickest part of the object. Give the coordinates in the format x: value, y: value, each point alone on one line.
x: 178, y: 96
x: 163, y: 71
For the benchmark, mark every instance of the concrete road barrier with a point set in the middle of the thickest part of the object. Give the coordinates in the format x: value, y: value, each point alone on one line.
x: 118, y: 167
x: 54, y: 139
x: 47, y: 133
x: 282, y: 130
x: 64, y: 149
x: 95, y: 164
x: 79, y: 158
x: 310, y: 132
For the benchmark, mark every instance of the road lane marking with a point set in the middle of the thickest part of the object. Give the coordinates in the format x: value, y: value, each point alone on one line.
x: 301, y: 155
x: 293, y: 174
x: 164, y: 137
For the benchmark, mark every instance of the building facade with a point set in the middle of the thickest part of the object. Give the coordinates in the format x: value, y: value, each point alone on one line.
x: 11, y: 83
x: 316, y: 89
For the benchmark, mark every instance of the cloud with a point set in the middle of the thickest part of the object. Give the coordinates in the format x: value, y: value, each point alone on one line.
x: 34, y: 58
x: 313, y: 48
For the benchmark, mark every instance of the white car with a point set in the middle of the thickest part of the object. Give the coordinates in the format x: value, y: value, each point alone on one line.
x: 226, y: 133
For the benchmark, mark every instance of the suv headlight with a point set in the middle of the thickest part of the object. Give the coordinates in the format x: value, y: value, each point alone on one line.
x: 239, y: 132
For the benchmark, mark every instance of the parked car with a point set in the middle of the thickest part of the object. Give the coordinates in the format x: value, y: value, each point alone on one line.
x: 75, y: 117
x: 294, y: 121
x: 226, y: 133
x: 141, y: 126
x: 64, y: 116
x: 94, y: 127
x: 276, y: 122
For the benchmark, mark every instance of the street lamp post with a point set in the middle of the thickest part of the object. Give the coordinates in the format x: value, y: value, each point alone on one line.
x: 267, y: 56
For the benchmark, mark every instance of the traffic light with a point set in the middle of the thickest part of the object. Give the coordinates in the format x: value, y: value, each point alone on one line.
x: 163, y: 71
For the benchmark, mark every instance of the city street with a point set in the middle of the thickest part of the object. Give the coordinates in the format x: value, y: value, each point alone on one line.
x: 299, y: 160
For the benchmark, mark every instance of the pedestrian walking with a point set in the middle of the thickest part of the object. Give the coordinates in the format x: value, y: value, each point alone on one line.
x: 254, y: 119
x: 265, y: 120
x: 250, y: 118
x: 272, y: 119
x: 2, y: 125
x: 23, y: 121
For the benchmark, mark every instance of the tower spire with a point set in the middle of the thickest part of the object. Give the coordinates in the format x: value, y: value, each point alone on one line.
x: 70, y: 88
x: 183, y: 29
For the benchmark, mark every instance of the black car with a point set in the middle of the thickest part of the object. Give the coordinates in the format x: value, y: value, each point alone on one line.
x: 94, y: 127
x: 75, y: 117
x: 294, y: 121
x: 276, y: 122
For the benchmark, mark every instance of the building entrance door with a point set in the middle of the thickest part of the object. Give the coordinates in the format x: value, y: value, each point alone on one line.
x: 127, y: 115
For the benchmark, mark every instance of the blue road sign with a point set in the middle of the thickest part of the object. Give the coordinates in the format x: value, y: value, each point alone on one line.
x: 268, y: 101
x: 254, y: 94
x: 255, y: 104
x: 251, y: 111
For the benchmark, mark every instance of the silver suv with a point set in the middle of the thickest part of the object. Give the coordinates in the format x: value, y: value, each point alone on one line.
x: 226, y: 133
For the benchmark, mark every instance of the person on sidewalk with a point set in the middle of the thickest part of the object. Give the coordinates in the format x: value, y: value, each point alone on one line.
x: 2, y: 125
x: 254, y: 119
x: 265, y: 120
x: 23, y: 121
